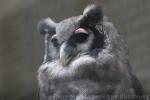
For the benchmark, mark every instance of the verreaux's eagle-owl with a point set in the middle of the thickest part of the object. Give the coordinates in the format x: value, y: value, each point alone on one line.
x: 85, y: 59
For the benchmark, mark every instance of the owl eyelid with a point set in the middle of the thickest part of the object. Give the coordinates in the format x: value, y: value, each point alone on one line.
x: 81, y: 30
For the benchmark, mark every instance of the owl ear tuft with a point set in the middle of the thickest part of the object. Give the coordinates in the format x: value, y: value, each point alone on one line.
x: 46, y: 25
x: 92, y: 14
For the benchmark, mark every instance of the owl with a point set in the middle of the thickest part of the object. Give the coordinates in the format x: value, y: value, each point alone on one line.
x: 85, y: 59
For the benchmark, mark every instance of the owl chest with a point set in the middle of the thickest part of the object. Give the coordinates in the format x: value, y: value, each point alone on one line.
x: 67, y: 86
x: 72, y: 81
x: 74, y: 86
x: 65, y: 73
x: 58, y: 74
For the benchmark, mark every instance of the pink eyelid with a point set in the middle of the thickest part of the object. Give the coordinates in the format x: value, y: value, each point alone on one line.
x: 81, y: 30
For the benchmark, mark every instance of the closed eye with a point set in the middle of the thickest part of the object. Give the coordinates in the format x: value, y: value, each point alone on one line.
x: 79, y: 37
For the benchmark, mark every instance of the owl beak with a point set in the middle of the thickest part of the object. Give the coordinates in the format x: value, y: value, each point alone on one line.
x: 65, y: 60
x: 67, y: 53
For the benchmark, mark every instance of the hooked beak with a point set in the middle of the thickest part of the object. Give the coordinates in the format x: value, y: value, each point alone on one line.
x: 65, y: 60
x: 67, y: 53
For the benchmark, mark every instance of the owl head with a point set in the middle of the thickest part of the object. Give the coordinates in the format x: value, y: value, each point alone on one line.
x: 75, y: 36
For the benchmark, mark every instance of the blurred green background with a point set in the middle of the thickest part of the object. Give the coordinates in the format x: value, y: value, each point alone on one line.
x: 21, y: 46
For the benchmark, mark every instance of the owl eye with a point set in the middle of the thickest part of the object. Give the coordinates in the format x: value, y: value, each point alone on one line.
x: 80, y: 36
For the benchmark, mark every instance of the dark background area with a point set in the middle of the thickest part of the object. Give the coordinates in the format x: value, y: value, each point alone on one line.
x: 21, y: 46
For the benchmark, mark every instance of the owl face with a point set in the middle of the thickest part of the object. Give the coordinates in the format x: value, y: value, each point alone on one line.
x: 78, y: 43
x: 75, y: 36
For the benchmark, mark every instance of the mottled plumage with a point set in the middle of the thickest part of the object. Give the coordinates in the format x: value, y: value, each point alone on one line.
x: 85, y: 59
